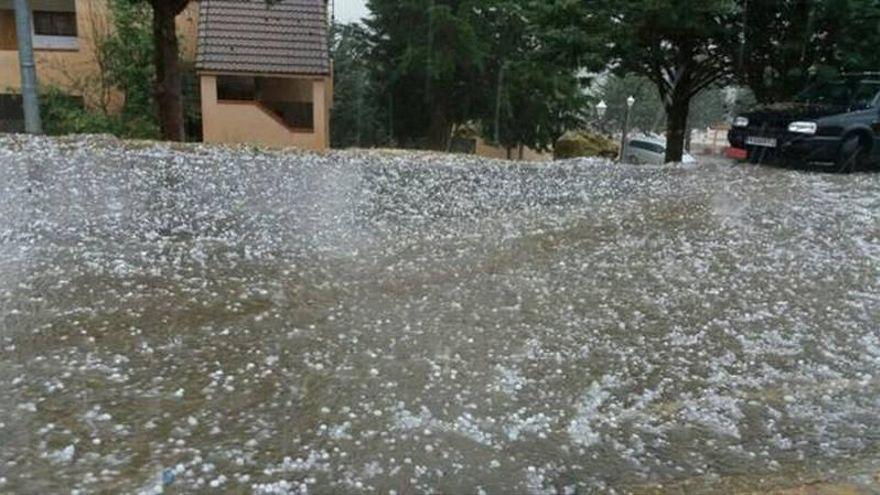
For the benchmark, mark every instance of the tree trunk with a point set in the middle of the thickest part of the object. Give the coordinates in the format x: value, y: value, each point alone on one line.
x: 676, y: 127
x: 169, y: 91
x: 438, y: 131
x: 498, y: 104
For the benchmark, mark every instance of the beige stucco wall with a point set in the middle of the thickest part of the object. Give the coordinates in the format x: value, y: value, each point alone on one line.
x: 73, y: 70
x: 248, y: 122
x: 188, y: 32
x: 76, y: 70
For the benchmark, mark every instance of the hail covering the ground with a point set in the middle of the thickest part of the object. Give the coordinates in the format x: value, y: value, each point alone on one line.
x: 193, y: 318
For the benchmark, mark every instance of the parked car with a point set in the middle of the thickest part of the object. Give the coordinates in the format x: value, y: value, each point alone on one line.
x: 646, y: 150
x: 835, y: 124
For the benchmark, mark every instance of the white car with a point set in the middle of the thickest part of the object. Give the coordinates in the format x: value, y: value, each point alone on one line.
x: 650, y: 151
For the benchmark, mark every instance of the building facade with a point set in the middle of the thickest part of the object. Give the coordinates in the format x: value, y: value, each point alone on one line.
x: 265, y: 72
x: 65, y: 35
x: 264, y: 68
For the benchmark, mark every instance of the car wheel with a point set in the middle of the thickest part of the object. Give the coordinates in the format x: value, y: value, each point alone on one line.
x: 853, y: 154
x: 632, y: 160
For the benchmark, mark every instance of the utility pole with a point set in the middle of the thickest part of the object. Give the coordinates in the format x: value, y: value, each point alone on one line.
x: 625, y: 136
x: 360, y: 105
x: 23, y: 28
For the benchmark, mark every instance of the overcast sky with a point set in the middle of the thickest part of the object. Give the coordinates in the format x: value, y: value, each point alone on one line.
x: 350, y: 10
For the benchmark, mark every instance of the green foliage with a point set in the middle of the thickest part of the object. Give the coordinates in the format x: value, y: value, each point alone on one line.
x: 536, y: 94
x: 711, y: 106
x: 789, y: 43
x: 428, y: 56
x: 680, y: 45
x: 442, y: 63
x: 510, y: 65
x: 683, y: 47
x: 537, y: 105
x: 359, y: 118
x: 128, y: 50
x: 65, y: 114
x: 856, y: 50
x: 648, y: 114
x: 577, y: 144
x: 124, y: 58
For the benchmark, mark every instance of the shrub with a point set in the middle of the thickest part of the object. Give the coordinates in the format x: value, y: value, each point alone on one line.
x: 66, y: 114
x: 576, y: 144
x: 123, y: 54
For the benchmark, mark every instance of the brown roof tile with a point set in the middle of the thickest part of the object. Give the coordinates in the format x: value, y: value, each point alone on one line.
x: 255, y: 36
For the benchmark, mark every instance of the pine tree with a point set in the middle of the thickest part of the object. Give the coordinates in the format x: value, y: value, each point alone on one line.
x: 430, y: 57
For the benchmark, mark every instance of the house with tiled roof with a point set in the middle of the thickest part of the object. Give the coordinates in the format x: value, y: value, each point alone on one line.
x: 265, y: 72
x: 263, y: 67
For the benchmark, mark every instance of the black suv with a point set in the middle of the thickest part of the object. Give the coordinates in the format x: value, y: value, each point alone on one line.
x: 833, y: 123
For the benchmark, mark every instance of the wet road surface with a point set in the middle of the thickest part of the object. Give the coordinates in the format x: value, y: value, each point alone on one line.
x: 237, y: 321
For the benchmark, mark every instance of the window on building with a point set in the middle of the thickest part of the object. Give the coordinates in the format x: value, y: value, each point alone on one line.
x: 55, y: 24
x: 236, y: 88
x: 11, y: 114
x: 10, y: 106
x: 297, y: 115
x: 7, y: 30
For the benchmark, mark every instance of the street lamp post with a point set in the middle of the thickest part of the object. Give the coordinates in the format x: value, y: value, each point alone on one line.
x: 623, y: 140
x: 601, y: 108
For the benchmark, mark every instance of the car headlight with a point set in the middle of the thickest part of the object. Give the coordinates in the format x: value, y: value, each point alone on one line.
x: 741, y: 122
x: 803, y: 127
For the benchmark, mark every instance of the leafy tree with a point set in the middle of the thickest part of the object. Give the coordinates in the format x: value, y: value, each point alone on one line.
x: 858, y: 23
x: 536, y: 105
x: 508, y: 65
x: 359, y: 118
x: 128, y: 52
x: 647, y: 114
x: 788, y: 43
x: 709, y: 107
x: 166, y: 60
x: 777, y: 52
x: 682, y: 46
x: 123, y: 54
x: 167, y: 80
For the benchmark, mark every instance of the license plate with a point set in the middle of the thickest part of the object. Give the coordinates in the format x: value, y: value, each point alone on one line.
x: 761, y: 141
